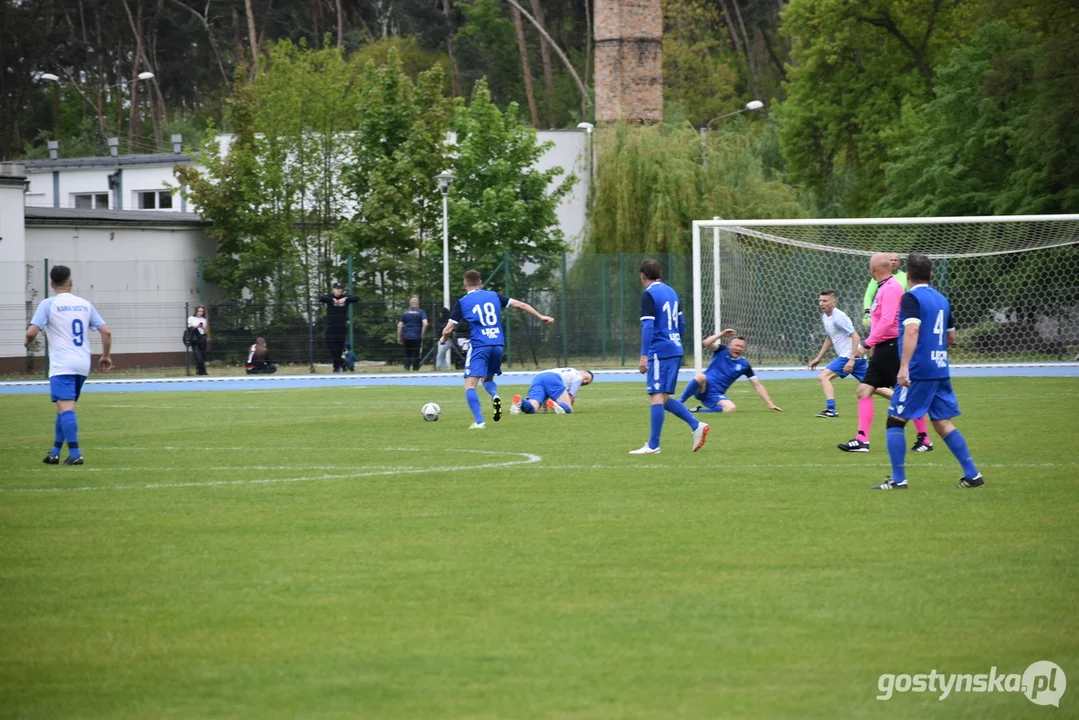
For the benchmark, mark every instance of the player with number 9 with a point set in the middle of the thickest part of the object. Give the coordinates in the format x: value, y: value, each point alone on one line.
x: 483, y: 311
x: 65, y: 318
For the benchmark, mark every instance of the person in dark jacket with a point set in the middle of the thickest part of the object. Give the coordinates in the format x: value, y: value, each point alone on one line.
x: 258, y: 359
x: 337, y: 322
x: 410, y: 331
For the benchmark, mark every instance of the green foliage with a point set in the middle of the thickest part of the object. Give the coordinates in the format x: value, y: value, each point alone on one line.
x: 699, y: 70
x: 398, y: 148
x: 487, y: 46
x: 500, y: 201
x: 854, y: 66
x: 652, y: 182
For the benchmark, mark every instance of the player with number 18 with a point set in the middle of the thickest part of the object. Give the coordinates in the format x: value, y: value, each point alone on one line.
x: 483, y: 311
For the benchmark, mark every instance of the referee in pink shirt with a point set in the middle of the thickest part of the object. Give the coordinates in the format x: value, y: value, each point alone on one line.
x: 883, y: 346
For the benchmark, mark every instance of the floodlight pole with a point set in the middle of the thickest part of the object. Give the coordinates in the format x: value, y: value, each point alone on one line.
x: 444, y: 179
x: 750, y: 106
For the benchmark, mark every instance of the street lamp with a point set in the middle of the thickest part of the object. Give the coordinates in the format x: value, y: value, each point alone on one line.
x: 50, y: 77
x: 444, y: 179
x: 750, y: 106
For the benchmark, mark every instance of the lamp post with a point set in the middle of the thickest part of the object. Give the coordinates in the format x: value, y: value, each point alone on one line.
x: 444, y: 179
x: 750, y: 106
x: 50, y: 77
x: 590, y: 128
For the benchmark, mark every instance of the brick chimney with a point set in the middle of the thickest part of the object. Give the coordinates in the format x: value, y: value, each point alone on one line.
x: 629, y: 61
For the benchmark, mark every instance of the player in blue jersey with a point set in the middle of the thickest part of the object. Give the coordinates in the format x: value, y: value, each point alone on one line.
x: 662, y: 327
x: 557, y: 389
x: 65, y: 318
x: 923, y: 384
x: 728, y: 364
x: 483, y: 311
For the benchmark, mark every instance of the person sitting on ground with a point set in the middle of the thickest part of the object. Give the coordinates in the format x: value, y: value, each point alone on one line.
x: 258, y: 361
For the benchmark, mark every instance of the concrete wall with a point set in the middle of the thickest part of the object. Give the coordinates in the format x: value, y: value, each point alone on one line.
x: 73, y: 181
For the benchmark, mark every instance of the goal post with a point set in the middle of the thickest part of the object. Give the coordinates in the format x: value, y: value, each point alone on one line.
x: 1013, y: 281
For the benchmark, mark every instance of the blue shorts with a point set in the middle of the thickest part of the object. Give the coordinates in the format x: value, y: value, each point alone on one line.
x: 662, y: 375
x: 710, y: 398
x: 934, y: 397
x: 546, y: 385
x: 858, y: 372
x: 483, y: 361
x: 66, y: 387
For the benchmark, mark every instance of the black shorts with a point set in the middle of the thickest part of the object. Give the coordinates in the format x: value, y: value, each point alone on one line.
x: 883, y: 366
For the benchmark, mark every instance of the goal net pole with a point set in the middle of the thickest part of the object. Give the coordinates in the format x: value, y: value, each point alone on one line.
x: 1015, y: 279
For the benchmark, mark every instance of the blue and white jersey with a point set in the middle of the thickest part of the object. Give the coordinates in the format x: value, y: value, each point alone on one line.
x: 926, y: 307
x: 839, y: 327
x: 662, y: 324
x: 571, y: 378
x: 724, y: 370
x: 483, y: 311
x: 65, y: 319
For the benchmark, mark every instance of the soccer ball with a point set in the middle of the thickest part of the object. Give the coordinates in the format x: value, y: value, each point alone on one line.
x: 431, y: 411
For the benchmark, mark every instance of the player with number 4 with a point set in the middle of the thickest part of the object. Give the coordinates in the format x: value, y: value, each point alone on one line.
x: 65, y: 318
x: 483, y: 311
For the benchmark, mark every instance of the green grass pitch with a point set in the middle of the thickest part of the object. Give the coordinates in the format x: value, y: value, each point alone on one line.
x: 325, y: 553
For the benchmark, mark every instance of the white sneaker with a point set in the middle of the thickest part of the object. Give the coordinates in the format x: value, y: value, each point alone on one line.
x: 699, y: 436
x: 645, y: 450
x: 558, y: 410
x: 515, y: 408
x: 477, y: 426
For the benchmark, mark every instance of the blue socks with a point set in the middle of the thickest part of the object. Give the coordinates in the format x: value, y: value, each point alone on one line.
x: 676, y: 408
x: 70, y: 428
x: 717, y: 408
x: 58, y: 439
x: 526, y: 407
x: 657, y: 425
x: 830, y: 404
x: 897, y: 452
x: 566, y: 407
x: 958, y: 445
x: 691, y: 390
x: 491, y: 387
x: 473, y: 399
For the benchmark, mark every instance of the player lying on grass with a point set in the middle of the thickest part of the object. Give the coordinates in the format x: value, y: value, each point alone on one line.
x: 727, y: 366
x: 923, y: 381
x: 557, y: 389
x: 841, y: 335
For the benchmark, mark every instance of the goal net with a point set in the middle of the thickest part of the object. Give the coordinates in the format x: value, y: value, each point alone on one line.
x: 1013, y: 281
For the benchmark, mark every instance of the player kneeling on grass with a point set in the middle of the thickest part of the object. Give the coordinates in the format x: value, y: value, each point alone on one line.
x: 842, y: 336
x: 923, y: 383
x: 728, y: 364
x: 557, y: 389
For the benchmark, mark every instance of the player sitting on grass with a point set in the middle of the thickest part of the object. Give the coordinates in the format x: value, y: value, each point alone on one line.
x: 727, y: 366
x: 557, y: 389
x: 842, y: 336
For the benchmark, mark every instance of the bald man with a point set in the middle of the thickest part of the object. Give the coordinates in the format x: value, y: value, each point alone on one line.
x: 880, y: 376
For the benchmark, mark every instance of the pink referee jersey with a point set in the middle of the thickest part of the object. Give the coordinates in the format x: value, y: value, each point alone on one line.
x: 884, y: 314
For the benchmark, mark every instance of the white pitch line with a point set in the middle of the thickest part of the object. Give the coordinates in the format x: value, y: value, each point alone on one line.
x: 529, y: 459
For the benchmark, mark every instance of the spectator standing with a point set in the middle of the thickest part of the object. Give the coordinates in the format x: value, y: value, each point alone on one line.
x: 336, y: 303
x: 410, y: 331
x: 199, y: 324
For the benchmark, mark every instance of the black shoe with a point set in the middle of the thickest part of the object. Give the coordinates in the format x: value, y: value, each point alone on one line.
x: 51, y: 459
x: 826, y: 413
x: 698, y: 409
x: 496, y: 402
x: 854, y: 445
x: 890, y: 485
x: 971, y: 482
x: 922, y: 444
x: 73, y: 461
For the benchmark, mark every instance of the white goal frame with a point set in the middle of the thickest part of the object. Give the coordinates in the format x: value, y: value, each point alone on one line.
x: 717, y: 224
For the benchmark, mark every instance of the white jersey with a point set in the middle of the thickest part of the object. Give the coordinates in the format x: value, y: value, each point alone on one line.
x: 571, y: 378
x: 839, y: 327
x: 65, y: 319
x: 197, y: 322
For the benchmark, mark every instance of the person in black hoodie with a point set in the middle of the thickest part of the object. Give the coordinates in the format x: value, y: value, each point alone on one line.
x: 337, y: 322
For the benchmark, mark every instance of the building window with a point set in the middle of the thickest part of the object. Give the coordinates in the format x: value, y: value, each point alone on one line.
x: 155, y: 200
x: 91, y: 201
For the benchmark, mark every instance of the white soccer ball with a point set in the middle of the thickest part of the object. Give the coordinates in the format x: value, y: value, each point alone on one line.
x: 431, y: 411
